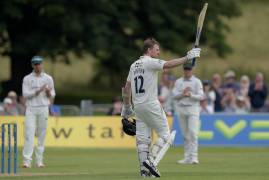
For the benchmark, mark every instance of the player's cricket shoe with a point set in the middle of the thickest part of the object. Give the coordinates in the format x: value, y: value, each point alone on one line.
x: 194, y: 161
x: 40, y: 165
x: 153, y: 169
x: 184, y: 161
x: 26, y: 165
x: 145, y: 173
x: 188, y: 161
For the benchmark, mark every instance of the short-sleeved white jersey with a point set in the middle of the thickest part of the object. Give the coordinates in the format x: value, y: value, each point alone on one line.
x: 143, y: 76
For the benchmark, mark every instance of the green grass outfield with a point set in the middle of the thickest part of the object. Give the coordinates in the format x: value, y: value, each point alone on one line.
x: 116, y: 164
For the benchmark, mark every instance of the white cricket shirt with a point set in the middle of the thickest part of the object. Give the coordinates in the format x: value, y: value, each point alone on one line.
x: 143, y: 76
x: 196, y: 88
x: 32, y: 83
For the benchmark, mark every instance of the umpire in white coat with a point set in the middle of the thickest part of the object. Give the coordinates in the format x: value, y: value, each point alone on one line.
x: 38, y: 90
x: 188, y: 92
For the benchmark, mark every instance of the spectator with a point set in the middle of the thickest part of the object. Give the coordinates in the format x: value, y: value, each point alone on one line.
x: 17, y: 108
x: 205, y: 108
x: 228, y: 101
x: 210, y: 95
x: 257, y: 93
x: 8, y: 108
x: 244, y: 86
x: 22, y: 102
x: 55, y: 110
x: 165, y: 96
x: 266, y: 106
x: 216, y: 80
x: 242, y: 105
x: 1, y: 107
x: 115, y: 110
x: 170, y: 107
x: 230, y: 81
x: 216, y: 86
x: 163, y: 88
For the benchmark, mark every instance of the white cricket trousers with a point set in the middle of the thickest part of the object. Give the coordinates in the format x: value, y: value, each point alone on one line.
x: 190, y: 125
x: 151, y: 116
x: 35, y: 125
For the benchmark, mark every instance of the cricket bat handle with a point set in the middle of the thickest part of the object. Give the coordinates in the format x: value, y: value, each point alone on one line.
x: 194, y: 59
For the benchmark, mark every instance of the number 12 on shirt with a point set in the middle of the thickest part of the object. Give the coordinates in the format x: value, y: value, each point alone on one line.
x: 139, y: 82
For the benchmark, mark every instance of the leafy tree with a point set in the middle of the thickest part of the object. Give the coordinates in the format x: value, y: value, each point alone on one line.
x: 111, y: 30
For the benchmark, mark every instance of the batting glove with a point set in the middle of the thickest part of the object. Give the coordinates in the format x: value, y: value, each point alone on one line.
x: 127, y: 111
x: 193, y: 53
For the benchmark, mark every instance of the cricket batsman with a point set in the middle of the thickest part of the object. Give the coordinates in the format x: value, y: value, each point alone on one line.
x: 141, y: 91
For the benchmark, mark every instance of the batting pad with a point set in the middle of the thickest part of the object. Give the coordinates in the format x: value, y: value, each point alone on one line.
x: 164, y: 149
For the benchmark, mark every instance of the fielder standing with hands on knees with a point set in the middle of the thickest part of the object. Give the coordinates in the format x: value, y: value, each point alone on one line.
x: 141, y: 90
x: 188, y: 92
x: 38, y: 90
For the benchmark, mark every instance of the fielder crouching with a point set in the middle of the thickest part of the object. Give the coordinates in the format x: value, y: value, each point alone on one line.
x: 141, y: 91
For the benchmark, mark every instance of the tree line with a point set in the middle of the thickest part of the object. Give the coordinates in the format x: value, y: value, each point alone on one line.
x: 112, y: 31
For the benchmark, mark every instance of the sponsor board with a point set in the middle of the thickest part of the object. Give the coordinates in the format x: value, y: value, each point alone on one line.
x: 96, y: 132
x: 230, y: 130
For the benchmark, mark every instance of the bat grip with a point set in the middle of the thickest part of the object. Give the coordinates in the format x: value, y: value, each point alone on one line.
x: 194, y: 59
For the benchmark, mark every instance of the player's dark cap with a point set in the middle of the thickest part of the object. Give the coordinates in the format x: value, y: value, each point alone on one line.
x: 206, y: 82
x: 187, y: 65
x: 37, y: 60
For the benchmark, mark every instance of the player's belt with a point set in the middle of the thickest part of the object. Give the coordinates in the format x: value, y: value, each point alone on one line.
x: 185, y: 105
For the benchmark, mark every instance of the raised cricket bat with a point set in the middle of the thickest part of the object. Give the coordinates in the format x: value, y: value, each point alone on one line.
x: 199, y: 28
